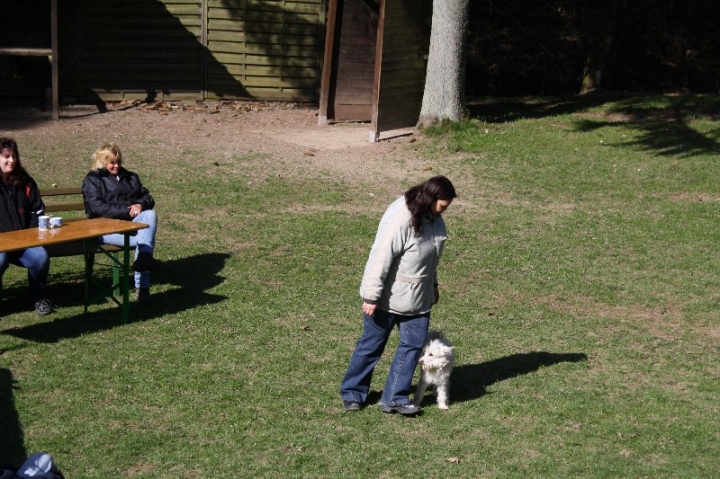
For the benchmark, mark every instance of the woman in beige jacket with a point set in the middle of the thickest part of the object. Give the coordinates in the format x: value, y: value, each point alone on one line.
x: 399, y: 287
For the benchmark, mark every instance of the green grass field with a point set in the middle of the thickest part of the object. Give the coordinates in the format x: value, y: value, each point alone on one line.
x: 580, y: 282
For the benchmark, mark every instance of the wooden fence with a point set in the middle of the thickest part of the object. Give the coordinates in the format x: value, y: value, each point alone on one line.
x: 188, y: 49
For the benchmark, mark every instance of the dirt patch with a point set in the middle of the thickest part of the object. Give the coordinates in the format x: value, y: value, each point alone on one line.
x: 286, y: 131
x: 254, y: 140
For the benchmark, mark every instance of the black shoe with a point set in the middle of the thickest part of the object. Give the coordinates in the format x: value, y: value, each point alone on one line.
x: 43, y: 306
x: 145, y: 262
x: 404, y: 409
x: 352, y: 405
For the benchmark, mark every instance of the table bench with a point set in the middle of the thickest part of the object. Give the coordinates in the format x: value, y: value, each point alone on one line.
x: 68, y: 200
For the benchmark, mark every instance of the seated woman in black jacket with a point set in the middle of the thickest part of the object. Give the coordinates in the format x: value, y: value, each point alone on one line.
x: 20, y: 207
x: 111, y: 191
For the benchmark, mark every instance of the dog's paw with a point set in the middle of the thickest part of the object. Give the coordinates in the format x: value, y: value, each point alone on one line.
x: 443, y: 407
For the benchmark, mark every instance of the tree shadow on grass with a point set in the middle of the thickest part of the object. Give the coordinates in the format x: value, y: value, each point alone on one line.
x: 12, y: 439
x: 194, y: 275
x: 470, y: 381
x: 664, y: 131
x: 663, y: 128
x: 510, y: 109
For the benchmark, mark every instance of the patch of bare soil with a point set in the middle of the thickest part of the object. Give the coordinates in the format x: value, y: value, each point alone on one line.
x: 287, y: 132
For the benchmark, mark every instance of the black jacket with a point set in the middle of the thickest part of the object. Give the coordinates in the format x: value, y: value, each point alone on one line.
x: 20, y: 206
x: 109, y: 197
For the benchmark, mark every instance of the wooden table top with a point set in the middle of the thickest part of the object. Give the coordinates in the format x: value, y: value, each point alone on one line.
x: 73, y: 230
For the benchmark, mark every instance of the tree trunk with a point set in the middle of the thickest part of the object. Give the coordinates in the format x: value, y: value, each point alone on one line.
x: 600, y: 52
x: 444, y: 96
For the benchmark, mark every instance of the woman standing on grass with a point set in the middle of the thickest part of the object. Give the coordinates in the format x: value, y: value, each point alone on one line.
x: 20, y: 207
x: 399, y: 287
x: 111, y: 191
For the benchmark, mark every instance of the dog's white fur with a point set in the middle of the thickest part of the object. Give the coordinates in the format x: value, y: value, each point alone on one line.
x: 436, y: 366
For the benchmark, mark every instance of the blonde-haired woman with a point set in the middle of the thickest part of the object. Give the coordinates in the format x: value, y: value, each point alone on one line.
x: 111, y: 191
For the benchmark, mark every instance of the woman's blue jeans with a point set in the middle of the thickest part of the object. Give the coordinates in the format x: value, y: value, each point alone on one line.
x: 143, y: 242
x: 376, y: 331
x: 36, y: 261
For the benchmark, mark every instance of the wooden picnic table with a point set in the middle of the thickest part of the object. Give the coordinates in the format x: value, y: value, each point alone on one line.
x: 87, y: 231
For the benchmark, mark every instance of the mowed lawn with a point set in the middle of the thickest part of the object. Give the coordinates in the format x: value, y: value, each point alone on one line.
x: 580, y: 286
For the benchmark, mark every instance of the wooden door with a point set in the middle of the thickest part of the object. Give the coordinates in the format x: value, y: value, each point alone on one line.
x: 375, y: 62
x: 404, y: 33
x: 349, y: 68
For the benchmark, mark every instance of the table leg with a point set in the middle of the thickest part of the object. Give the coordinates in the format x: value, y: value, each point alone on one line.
x: 89, y: 259
x: 125, y: 280
x: 121, y: 276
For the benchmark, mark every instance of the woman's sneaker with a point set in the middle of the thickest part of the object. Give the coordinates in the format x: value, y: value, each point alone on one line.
x: 43, y: 306
x: 404, y: 409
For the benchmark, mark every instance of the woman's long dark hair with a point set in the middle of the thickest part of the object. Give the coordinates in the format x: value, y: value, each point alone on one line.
x: 18, y: 176
x: 419, y: 198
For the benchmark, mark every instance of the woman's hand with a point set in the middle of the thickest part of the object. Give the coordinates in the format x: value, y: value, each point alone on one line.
x: 369, y: 309
x: 135, y: 210
x: 437, y: 295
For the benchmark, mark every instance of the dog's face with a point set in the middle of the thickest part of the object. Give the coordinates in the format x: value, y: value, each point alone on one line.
x: 436, y: 355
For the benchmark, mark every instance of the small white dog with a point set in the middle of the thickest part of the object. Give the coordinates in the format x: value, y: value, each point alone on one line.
x: 436, y: 364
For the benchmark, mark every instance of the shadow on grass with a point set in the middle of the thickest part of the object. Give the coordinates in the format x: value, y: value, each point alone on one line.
x: 507, y: 110
x: 663, y: 128
x: 661, y: 131
x: 194, y: 275
x: 12, y: 440
x: 470, y: 381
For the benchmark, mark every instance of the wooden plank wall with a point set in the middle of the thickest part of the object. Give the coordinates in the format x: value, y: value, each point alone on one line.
x: 406, y: 41
x: 148, y: 49
x: 269, y: 49
x: 170, y: 49
x: 351, y: 90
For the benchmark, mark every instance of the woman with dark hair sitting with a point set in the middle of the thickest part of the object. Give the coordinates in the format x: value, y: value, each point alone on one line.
x: 398, y: 288
x: 20, y: 207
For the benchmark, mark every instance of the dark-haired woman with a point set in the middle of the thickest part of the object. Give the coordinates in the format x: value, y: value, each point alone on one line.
x: 20, y: 207
x: 399, y: 287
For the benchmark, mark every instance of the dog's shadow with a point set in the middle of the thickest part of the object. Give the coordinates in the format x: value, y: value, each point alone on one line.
x: 470, y: 381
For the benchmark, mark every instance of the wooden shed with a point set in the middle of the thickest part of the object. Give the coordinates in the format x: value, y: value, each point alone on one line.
x: 375, y: 62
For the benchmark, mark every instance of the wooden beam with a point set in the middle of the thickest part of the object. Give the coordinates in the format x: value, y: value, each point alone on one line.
x: 205, y: 53
x: 54, y: 58
x: 327, y: 66
x: 26, y: 52
x: 374, y: 127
